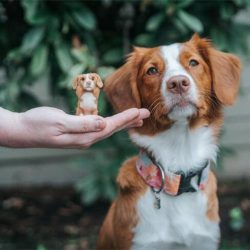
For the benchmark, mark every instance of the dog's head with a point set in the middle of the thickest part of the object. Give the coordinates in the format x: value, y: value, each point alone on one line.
x: 190, y: 80
x: 87, y: 82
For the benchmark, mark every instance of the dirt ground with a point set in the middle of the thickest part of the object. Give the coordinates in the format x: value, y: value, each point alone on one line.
x: 53, y: 218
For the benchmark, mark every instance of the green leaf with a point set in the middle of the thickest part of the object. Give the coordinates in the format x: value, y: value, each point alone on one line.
x: 219, y: 38
x: 102, y: 103
x: 154, y: 22
x: 79, y: 54
x: 32, y: 39
x: 239, y: 3
x: 53, y: 34
x: 85, y: 18
x: 192, y: 22
x: 92, y: 195
x: 184, y: 3
x: 160, y: 3
x: 77, y: 69
x: 86, y: 183
x: 34, y: 14
x: 41, y: 247
x: 113, y: 56
x: 226, y: 12
x: 109, y: 190
x: 105, y: 71
x: 13, y: 90
x: 39, y: 61
x: 63, y: 56
x: 144, y: 40
x: 15, y: 55
x: 180, y: 26
x: 74, y: 71
x: 27, y: 100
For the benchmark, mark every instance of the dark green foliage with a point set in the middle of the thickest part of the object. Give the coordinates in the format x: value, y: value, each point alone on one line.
x: 56, y: 40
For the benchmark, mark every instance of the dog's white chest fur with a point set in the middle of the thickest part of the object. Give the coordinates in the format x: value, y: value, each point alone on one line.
x: 181, y: 223
x: 88, y: 101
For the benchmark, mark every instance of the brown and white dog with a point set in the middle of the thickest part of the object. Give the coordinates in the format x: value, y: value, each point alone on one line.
x: 185, y: 86
x: 87, y: 88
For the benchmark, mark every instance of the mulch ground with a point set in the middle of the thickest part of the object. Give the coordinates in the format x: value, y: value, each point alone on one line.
x: 47, y: 218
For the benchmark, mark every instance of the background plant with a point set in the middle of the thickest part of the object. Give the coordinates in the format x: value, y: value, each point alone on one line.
x: 56, y: 40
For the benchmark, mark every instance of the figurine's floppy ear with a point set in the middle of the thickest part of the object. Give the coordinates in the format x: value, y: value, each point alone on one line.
x: 99, y: 82
x: 75, y: 82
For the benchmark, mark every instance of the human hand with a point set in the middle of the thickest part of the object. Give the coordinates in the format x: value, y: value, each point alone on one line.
x: 51, y: 127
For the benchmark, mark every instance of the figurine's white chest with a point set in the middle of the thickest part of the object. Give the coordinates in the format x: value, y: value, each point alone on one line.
x: 88, y: 101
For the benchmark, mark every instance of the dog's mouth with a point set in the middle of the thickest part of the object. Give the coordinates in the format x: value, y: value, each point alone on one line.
x: 181, y: 104
x: 177, y: 108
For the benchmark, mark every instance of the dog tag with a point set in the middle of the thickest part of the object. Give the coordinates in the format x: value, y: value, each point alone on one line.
x: 157, y: 203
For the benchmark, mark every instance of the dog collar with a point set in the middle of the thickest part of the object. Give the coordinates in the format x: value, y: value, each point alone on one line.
x: 171, y: 183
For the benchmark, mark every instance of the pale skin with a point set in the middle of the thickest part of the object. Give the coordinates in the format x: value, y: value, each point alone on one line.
x: 53, y: 128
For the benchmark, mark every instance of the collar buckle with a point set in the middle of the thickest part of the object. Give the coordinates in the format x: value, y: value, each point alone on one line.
x: 173, y: 184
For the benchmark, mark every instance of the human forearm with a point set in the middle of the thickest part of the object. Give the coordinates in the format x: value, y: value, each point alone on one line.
x: 11, y: 129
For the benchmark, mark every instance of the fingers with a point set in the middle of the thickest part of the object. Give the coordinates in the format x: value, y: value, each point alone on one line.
x: 137, y: 124
x: 144, y: 113
x: 121, y: 119
x: 127, y: 119
x: 93, y: 123
x: 83, y: 124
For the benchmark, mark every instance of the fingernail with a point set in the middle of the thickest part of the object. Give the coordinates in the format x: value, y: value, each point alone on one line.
x: 99, y: 124
x: 139, y: 124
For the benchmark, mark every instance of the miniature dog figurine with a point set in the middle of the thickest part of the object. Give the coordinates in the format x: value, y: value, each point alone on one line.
x: 87, y: 88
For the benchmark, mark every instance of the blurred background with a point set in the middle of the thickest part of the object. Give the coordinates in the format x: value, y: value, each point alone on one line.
x: 56, y: 199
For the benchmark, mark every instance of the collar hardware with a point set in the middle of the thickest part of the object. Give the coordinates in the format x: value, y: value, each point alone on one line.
x: 171, y: 183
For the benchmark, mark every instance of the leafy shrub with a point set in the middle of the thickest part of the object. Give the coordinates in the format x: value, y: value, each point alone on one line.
x: 56, y: 40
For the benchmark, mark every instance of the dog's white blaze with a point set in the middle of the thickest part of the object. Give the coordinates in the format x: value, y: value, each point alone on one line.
x: 171, y: 56
x: 181, y: 220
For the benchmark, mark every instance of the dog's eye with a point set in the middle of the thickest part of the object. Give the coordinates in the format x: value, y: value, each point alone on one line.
x: 193, y: 63
x: 152, y: 71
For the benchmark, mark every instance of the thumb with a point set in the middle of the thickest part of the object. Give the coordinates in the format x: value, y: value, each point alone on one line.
x: 84, y: 124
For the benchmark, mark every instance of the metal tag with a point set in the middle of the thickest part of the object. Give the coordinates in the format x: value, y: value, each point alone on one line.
x: 157, y: 202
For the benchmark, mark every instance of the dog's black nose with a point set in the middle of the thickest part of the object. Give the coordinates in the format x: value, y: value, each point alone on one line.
x: 178, y: 84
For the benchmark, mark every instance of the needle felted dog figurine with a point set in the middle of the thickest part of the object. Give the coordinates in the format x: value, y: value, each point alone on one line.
x: 87, y: 88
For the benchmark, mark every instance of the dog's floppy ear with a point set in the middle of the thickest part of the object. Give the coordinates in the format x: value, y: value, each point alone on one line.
x: 98, y: 80
x: 121, y: 86
x: 225, y: 70
x: 226, y: 75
